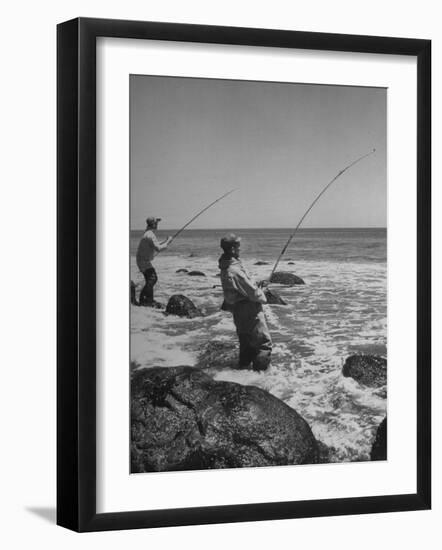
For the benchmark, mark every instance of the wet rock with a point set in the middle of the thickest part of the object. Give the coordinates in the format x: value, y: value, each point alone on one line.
x: 218, y: 354
x: 133, y: 294
x: 260, y: 262
x: 134, y: 365
x: 182, y: 306
x: 325, y: 453
x: 379, y: 448
x: 181, y: 419
x: 274, y: 298
x: 285, y: 278
x: 370, y: 370
x: 182, y: 270
x: 196, y: 274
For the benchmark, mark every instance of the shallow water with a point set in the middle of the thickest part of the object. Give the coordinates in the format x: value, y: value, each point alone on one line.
x: 340, y: 310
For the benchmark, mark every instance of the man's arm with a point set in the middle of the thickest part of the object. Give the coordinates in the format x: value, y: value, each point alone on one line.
x: 247, y: 288
x: 160, y: 246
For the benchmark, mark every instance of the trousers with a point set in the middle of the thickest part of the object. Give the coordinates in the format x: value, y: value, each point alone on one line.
x: 255, y: 343
x: 146, y: 295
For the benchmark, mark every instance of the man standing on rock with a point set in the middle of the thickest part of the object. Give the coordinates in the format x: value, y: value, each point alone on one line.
x: 244, y: 298
x: 147, y: 250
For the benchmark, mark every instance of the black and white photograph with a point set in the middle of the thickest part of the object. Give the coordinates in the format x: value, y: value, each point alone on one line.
x: 258, y: 273
x: 226, y: 216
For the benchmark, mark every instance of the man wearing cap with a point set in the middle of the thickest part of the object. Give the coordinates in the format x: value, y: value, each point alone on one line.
x: 147, y: 250
x: 244, y: 298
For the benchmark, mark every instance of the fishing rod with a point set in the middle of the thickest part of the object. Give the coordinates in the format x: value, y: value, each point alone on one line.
x: 199, y: 214
x: 311, y: 206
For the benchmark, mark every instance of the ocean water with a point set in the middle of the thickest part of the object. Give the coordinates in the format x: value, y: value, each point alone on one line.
x: 341, y: 310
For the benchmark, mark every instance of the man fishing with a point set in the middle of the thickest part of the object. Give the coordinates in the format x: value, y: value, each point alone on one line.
x: 244, y: 298
x: 149, y: 247
x: 147, y: 250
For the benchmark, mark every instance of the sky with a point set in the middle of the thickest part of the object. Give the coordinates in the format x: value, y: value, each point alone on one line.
x: 276, y: 144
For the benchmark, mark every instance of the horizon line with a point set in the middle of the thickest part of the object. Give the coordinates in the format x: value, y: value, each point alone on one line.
x: 258, y: 227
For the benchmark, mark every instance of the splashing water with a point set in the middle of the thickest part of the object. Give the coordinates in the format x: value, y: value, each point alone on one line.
x: 340, y: 310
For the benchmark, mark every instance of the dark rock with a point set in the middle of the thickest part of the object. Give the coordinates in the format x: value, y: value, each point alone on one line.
x: 291, y: 263
x: 379, y: 448
x: 182, y: 306
x: 260, y: 262
x: 181, y: 419
x: 196, y: 274
x: 193, y: 255
x: 218, y: 354
x: 325, y: 453
x: 274, y: 298
x: 370, y: 370
x: 133, y: 294
x: 182, y: 270
x: 285, y: 278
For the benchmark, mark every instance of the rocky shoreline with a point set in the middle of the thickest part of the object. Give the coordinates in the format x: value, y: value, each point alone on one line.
x: 183, y: 419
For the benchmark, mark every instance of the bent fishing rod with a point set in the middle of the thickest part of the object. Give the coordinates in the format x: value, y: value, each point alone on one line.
x: 283, y: 251
x: 199, y: 214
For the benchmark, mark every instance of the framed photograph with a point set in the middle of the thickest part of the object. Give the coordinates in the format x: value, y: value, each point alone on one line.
x: 243, y: 274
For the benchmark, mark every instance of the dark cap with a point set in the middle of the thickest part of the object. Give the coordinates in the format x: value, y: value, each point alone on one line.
x: 151, y: 220
x: 229, y: 240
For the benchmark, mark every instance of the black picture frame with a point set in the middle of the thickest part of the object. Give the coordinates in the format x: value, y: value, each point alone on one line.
x: 76, y: 272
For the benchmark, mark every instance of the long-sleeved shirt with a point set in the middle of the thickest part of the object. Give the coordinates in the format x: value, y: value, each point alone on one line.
x: 147, y: 250
x: 237, y: 284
